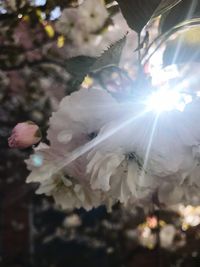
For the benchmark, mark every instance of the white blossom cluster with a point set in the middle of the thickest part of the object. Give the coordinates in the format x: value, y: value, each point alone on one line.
x: 85, y: 28
x: 103, y: 150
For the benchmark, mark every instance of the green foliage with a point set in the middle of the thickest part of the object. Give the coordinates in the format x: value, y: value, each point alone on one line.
x: 138, y: 12
x: 164, y: 6
x: 184, y: 48
x: 183, y: 11
x: 111, y: 56
x: 80, y: 66
x: 182, y: 20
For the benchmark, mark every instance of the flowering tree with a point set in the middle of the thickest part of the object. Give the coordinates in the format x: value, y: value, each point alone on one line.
x: 126, y: 129
x: 107, y: 147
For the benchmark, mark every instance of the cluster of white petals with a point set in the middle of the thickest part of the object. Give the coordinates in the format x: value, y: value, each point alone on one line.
x: 82, y: 27
x: 102, y: 151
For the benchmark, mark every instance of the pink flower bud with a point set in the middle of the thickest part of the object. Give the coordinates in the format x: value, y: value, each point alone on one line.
x: 24, y: 134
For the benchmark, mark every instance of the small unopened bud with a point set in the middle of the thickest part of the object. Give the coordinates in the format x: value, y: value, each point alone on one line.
x: 24, y: 134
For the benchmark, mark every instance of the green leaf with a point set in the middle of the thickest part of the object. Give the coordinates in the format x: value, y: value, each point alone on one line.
x: 80, y: 66
x: 183, y: 11
x: 184, y: 48
x: 175, y: 51
x: 111, y: 56
x: 138, y: 12
x: 165, y: 6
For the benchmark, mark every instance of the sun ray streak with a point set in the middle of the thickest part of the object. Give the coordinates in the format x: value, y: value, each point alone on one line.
x: 146, y: 158
x: 181, y: 40
x: 98, y: 140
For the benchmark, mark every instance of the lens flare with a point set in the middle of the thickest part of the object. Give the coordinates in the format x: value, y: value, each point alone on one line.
x: 167, y: 100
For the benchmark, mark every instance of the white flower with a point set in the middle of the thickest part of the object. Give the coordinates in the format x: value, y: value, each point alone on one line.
x: 61, y: 184
x: 42, y: 164
x: 70, y: 23
x: 162, y: 140
x: 120, y: 176
x: 79, y: 40
x: 190, y: 215
x: 90, y: 16
x: 170, y: 193
x: 80, y: 116
x: 94, y: 13
x: 77, y: 196
x: 100, y: 177
x: 167, y: 235
x: 81, y: 27
x: 147, y: 238
x: 119, y: 151
x: 88, y: 44
x: 164, y: 151
x: 72, y: 221
x: 78, y: 120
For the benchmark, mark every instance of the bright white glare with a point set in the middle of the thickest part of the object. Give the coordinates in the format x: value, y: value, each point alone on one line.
x: 160, y: 76
x: 55, y: 13
x: 40, y: 2
x: 167, y: 100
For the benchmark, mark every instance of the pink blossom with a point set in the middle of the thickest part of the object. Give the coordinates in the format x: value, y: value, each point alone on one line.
x: 24, y: 135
